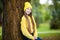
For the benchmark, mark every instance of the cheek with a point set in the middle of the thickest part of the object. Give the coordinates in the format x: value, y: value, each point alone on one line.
x: 29, y: 11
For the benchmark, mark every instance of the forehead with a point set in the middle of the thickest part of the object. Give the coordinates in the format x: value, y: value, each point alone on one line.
x: 28, y: 8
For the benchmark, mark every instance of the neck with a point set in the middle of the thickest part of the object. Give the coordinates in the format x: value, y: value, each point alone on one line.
x: 26, y: 14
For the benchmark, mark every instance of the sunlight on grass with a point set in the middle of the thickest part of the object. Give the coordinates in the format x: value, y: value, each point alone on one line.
x: 44, y: 27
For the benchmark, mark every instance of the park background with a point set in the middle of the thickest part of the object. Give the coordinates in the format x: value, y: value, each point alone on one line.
x: 47, y: 17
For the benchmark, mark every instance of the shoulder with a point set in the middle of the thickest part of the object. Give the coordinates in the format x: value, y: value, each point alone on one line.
x: 23, y: 17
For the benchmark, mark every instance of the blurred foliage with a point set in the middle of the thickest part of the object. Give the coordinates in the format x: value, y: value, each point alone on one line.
x: 55, y: 22
x: 41, y: 13
x: 1, y: 5
x: 47, y: 13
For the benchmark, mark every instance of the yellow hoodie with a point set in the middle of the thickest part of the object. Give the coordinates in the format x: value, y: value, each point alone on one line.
x: 24, y: 25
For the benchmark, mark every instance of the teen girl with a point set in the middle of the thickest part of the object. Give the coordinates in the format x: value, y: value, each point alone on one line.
x: 28, y: 24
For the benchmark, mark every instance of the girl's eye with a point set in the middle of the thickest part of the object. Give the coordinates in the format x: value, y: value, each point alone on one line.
x: 29, y: 8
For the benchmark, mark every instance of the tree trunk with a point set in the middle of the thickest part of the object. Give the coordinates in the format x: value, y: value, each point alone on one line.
x: 12, y: 13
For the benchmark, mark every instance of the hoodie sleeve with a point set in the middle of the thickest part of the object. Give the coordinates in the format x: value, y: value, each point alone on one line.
x: 35, y: 33
x: 24, y: 29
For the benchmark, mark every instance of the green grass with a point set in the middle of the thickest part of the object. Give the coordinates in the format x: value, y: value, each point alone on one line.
x: 45, y: 31
x: 44, y: 27
x: 0, y: 37
x: 49, y: 35
x: 0, y: 33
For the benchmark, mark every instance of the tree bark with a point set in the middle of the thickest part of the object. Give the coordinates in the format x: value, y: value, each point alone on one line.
x: 12, y: 13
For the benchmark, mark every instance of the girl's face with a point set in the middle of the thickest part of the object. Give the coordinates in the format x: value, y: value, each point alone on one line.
x: 28, y: 11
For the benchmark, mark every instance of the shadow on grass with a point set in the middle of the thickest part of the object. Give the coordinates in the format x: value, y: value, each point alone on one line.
x: 53, y: 36
x: 0, y: 37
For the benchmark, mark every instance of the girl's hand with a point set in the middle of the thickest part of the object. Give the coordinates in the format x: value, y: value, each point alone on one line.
x: 35, y: 37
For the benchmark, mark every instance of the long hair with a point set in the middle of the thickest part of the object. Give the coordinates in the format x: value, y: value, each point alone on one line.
x: 29, y: 22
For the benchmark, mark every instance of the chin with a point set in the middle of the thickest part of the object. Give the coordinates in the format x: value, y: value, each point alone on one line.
x: 28, y: 14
